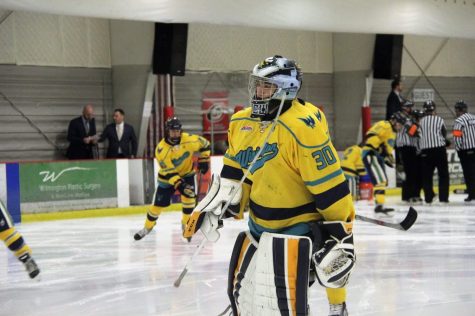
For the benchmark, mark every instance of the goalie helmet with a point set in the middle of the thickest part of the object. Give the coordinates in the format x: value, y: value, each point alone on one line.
x: 271, y: 81
x: 173, y: 124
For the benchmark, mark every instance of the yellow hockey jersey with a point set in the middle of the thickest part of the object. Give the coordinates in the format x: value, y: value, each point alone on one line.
x: 297, y: 178
x: 319, y: 114
x: 380, y: 138
x: 176, y: 161
x: 352, y: 162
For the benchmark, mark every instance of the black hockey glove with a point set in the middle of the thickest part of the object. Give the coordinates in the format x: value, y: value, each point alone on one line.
x: 185, y: 189
x: 203, y: 167
x: 448, y: 142
x: 389, y: 161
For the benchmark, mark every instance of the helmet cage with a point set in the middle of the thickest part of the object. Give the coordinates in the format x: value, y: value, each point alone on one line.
x: 276, y: 78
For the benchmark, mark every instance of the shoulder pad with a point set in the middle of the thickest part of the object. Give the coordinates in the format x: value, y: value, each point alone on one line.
x: 242, y: 114
x: 304, y: 126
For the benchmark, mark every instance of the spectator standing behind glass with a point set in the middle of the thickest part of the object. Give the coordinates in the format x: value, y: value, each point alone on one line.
x: 82, y: 135
x: 121, y: 137
x: 394, y: 101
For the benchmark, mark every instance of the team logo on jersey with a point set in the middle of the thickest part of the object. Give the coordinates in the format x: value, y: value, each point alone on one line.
x: 309, y: 121
x: 319, y: 116
x: 178, y: 161
x: 246, y: 128
x: 245, y: 157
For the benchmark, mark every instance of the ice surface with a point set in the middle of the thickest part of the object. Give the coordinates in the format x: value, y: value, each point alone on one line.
x: 94, y: 267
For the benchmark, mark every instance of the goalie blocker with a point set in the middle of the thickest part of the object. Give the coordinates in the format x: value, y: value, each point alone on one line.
x: 208, y: 213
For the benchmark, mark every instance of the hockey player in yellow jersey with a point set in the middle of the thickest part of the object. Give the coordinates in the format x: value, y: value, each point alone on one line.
x: 174, y: 155
x: 353, y: 168
x: 14, y: 241
x: 295, y: 189
x: 377, y: 152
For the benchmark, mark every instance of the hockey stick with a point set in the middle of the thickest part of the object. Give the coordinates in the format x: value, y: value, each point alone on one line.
x: 225, y: 207
x: 406, y: 223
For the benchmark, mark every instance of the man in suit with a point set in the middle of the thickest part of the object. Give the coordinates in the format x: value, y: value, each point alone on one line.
x: 82, y: 135
x: 394, y: 101
x: 121, y: 137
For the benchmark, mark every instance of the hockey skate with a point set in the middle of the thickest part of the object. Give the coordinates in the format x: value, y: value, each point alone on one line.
x: 30, y: 265
x: 381, y: 209
x: 142, y: 233
x: 416, y: 201
x: 338, y: 310
x: 470, y: 200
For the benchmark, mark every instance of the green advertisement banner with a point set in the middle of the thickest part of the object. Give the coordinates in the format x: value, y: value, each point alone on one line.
x: 67, y: 181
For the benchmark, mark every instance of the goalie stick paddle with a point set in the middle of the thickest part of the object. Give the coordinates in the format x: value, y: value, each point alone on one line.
x: 406, y: 223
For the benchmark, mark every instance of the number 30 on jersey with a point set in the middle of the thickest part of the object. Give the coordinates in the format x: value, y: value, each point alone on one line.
x: 324, y: 157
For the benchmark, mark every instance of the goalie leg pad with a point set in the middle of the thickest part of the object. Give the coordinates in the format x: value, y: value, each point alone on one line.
x: 272, y: 279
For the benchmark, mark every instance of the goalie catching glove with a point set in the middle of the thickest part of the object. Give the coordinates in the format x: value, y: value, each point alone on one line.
x: 335, y: 260
x: 208, y: 213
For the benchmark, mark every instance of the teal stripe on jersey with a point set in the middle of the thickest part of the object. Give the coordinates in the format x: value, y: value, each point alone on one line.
x: 164, y: 185
x: 298, y: 141
x: 325, y: 178
x: 299, y: 229
x: 230, y: 157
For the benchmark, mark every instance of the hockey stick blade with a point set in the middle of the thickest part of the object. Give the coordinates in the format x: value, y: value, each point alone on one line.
x: 460, y: 191
x: 406, y: 223
x: 182, y: 275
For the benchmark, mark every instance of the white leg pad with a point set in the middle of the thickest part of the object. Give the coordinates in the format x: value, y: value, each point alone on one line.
x: 270, y: 278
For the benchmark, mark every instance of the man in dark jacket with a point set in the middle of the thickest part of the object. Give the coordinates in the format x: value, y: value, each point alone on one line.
x: 81, y: 135
x: 394, y: 101
x: 121, y: 137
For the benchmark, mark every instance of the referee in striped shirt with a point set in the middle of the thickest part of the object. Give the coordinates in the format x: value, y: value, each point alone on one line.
x: 406, y: 143
x: 464, y: 136
x: 433, y: 153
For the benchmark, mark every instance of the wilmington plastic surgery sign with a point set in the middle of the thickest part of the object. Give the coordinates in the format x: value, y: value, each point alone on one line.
x: 56, y: 186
